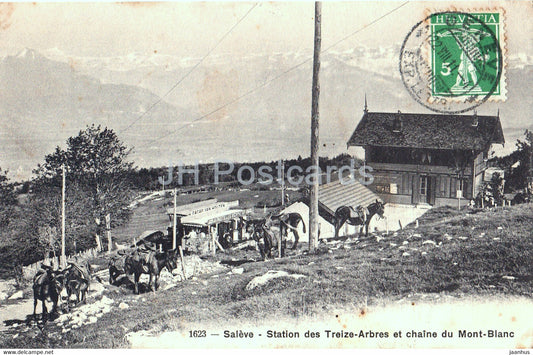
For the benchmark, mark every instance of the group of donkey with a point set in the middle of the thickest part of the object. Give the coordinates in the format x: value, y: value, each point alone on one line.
x: 141, y: 260
x: 267, y: 239
x: 48, y: 284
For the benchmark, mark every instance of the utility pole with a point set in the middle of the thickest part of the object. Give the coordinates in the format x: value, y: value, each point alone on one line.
x: 63, y: 257
x: 283, y: 183
x: 313, y: 195
x: 174, y: 242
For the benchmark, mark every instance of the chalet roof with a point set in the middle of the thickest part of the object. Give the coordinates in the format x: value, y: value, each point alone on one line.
x: 427, y: 131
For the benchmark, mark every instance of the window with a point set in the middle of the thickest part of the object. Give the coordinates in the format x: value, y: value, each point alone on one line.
x: 423, y: 185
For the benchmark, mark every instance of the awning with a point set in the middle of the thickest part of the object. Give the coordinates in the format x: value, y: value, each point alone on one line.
x: 206, y: 219
x: 335, y: 195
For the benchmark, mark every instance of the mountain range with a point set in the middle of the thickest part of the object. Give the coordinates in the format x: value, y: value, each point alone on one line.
x: 244, y: 109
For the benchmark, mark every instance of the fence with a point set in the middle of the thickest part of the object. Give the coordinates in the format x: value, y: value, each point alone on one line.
x: 30, y: 270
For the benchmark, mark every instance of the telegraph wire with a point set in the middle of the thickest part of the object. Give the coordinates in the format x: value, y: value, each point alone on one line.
x: 251, y: 91
x: 190, y: 71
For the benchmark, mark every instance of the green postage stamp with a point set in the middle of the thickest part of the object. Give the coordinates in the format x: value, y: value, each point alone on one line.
x: 465, y: 54
x: 453, y: 61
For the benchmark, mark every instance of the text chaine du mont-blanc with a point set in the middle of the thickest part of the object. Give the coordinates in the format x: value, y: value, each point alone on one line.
x: 490, y: 333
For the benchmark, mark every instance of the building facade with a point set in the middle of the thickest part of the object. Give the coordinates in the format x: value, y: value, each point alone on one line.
x: 434, y: 159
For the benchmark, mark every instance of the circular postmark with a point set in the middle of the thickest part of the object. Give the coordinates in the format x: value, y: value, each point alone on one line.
x: 451, y: 62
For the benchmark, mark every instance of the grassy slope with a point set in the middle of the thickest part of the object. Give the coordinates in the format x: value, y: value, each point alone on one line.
x: 475, y: 251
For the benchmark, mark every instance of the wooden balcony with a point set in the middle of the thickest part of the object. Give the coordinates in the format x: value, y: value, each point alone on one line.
x: 412, y: 168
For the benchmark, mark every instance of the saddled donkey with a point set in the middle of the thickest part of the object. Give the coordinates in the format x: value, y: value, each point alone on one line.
x: 149, y: 262
x: 359, y: 216
x: 47, y: 286
x: 77, y: 281
x: 266, y: 238
x: 289, y: 222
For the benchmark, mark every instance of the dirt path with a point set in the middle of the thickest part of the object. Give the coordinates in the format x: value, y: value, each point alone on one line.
x: 16, y: 312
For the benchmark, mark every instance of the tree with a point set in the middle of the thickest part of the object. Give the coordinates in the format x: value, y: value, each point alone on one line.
x: 97, y: 183
x: 524, y: 150
x: 7, y: 199
x: 518, y: 165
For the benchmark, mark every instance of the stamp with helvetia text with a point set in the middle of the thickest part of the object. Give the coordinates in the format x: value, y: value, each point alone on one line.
x: 452, y: 62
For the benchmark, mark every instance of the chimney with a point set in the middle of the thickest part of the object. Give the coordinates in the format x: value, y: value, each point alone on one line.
x: 365, y: 110
x: 397, y: 123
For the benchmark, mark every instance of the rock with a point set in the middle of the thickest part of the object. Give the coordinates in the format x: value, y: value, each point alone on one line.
x: 405, y: 242
x: 64, y: 318
x: 270, y: 275
x: 96, y: 287
x: 393, y: 245
x: 423, y: 253
x: 17, y: 295
x: 123, y: 305
x: 311, y: 263
x: 429, y: 242
x: 204, y: 282
x: 93, y: 319
x: 238, y: 271
x: 169, y: 286
x: 508, y: 277
x: 106, y: 300
x: 3, y: 296
x: 214, y: 276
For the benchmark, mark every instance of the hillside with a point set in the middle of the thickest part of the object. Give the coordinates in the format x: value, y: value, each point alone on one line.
x: 452, y: 255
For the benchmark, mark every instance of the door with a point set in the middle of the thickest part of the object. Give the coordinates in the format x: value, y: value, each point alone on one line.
x: 426, y: 190
x: 415, y: 197
x: 432, y: 190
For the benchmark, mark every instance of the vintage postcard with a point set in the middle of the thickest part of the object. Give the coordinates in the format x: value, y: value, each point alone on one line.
x: 267, y: 175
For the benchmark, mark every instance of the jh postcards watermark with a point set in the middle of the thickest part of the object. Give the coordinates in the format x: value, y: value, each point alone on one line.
x: 265, y: 174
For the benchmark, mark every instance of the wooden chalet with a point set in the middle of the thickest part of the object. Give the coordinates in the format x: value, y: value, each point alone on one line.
x: 432, y: 159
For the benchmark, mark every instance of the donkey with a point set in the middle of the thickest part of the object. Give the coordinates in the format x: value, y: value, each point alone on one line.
x: 77, y: 281
x: 266, y: 239
x: 357, y: 216
x: 149, y: 262
x: 47, y: 286
x: 290, y: 221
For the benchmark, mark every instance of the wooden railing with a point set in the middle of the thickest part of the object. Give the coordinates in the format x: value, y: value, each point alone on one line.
x: 417, y: 168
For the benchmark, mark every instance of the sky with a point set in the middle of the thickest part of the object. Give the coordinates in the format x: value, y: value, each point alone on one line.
x: 227, y: 29
x: 191, y: 29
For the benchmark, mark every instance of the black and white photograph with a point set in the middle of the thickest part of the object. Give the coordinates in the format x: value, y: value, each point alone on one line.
x: 266, y: 175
